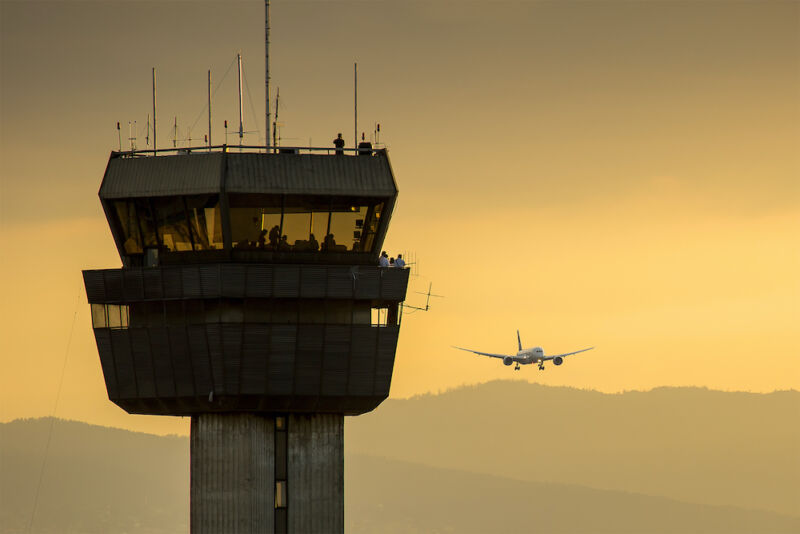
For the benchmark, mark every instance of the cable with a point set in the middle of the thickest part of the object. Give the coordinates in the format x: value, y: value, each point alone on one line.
x: 53, y: 416
x: 214, y: 92
x: 252, y: 108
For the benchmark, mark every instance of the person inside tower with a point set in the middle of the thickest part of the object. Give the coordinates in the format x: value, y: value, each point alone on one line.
x: 383, y: 261
x: 339, y: 144
x: 313, y: 244
x: 262, y: 240
x: 400, y: 262
x: 284, y: 244
x: 274, y: 237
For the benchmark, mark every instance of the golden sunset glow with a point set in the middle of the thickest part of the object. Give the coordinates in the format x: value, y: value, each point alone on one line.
x: 612, y: 174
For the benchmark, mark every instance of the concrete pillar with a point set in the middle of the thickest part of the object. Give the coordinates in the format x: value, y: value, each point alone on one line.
x: 232, y: 474
x: 316, y: 473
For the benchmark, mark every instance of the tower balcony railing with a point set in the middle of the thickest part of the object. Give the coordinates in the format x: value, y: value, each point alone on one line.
x: 251, y: 149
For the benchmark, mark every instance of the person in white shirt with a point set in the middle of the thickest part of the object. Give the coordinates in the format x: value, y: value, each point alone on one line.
x: 399, y: 262
x: 383, y: 261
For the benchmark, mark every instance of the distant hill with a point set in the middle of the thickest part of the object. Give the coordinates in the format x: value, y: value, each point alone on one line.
x: 689, y: 444
x: 500, y: 457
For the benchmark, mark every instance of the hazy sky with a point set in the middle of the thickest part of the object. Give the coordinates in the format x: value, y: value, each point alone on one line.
x: 618, y: 174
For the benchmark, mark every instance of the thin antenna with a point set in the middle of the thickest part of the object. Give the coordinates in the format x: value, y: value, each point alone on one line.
x: 175, y: 134
x: 147, y: 135
x: 355, y: 104
x: 275, y: 124
x: 241, y: 123
x: 154, y: 111
x: 266, y: 64
x: 209, y: 109
x: 119, y: 137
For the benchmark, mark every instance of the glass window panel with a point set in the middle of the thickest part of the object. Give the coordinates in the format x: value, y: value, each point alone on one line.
x: 378, y: 316
x: 144, y: 215
x: 172, y: 223
x: 125, y: 316
x: 344, y: 234
x: 204, y: 221
x: 129, y: 225
x: 255, y: 220
x: 99, y: 316
x: 370, y: 227
x: 296, y: 230
x: 114, y: 317
x: 280, y: 494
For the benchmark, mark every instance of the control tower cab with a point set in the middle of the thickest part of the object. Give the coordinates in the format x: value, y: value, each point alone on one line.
x: 249, y: 282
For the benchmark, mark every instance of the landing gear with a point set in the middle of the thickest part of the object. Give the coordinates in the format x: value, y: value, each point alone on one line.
x: 541, y: 367
x: 516, y: 368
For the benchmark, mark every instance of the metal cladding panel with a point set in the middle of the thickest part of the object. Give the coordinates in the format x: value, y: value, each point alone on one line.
x: 103, y: 338
x: 152, y: 283
x: 341, y: 283
x: 280, y: 375
x: 259, y: 281
x: 142, y: 362
x: 190, y: 277
x: 216, y: 357
x: 255, y: 342
x: 133, y: 284
x: 286, y: 281
x: 394, y: 283
x: 384, y: 359
x: 210, y: 280
x: 234, y: 280
x: 113, y: 282
x: 310, y: 174
x: 121, y: 348
x: 316, y: 473
x: 187, y: 174
x: 310, y: 341
x: 368, y: 283
x: 162, y: 362
x: 181, y: 361
x: 203, y: 376
x: 363, y: 344
x: 335, y: 360
x: 173, y: 286
x: 94, y: 282
x: 312, y: 282
x: 232, y: 356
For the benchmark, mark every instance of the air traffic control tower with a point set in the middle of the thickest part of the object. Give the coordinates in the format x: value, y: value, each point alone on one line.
x: 250, y: 299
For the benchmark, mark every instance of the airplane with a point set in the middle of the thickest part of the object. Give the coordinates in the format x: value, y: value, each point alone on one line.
x: 526, y: 356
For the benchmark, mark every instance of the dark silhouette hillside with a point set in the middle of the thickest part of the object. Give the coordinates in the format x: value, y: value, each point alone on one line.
x: 690, y: 444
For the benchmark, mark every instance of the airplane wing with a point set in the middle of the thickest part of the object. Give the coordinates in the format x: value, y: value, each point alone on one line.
x: 483, y: 353
x: 566, y: 354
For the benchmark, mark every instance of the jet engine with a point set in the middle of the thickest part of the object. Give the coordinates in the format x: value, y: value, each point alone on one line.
x: 508, y: 360
x: 558, y: 360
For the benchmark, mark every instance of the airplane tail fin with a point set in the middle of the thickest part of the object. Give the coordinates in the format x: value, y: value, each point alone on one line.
x: 519, y: 341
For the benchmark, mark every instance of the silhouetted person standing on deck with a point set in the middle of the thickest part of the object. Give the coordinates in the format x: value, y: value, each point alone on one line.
x: 339, y: 144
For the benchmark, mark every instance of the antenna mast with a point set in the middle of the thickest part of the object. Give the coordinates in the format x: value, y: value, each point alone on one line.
x: 355, y: 104
x: 154, y: 111
x: 209, y: 108
x: 241, y: 124
x: 266, y: 65
x: 275, y: 124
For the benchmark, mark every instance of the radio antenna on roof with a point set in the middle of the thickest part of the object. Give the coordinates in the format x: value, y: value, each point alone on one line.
x: 241, y: 123
x: 266, y: 67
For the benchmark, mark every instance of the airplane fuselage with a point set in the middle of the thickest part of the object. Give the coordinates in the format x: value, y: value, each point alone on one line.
x: 528, y: 356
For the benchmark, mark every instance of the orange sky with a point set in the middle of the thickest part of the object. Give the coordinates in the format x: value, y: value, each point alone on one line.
x: 615, y: 174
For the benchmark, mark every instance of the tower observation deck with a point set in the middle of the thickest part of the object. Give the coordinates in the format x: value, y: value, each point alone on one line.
x: 250, y: 299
